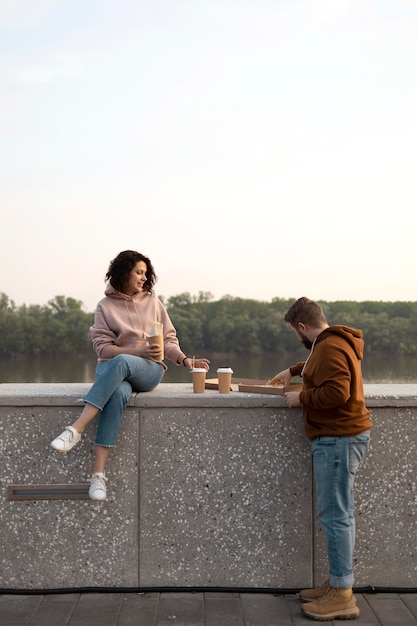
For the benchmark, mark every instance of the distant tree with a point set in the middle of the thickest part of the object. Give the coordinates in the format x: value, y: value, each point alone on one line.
x: 243, y: 326
x: 5, y: 303
x: 182, y: 299
x: 59, y: 327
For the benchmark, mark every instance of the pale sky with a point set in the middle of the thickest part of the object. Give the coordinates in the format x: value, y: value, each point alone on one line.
x: 252, y: 148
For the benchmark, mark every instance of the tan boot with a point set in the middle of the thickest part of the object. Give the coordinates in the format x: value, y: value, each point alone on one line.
x: 307, y: 595
x: 336, y: 604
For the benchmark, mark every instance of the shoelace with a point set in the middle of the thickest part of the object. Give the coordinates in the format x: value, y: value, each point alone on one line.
x: 67, y: 436
x: 330, y: 595
x: 99, y: 482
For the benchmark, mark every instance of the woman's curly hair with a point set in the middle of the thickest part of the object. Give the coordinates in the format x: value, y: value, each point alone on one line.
x: 123, y: 264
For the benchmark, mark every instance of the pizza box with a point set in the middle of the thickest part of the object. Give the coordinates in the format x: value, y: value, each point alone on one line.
x: 213, y: 383
x: 251, y: 385
x: 276, y: 390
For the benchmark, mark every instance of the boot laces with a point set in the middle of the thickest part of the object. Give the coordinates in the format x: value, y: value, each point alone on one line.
x: 328, y: 596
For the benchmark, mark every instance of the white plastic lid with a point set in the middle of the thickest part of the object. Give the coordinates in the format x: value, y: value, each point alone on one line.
x: 225, y: 370
x: 198, y: 369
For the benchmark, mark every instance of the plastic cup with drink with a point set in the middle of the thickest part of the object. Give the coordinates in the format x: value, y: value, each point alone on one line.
x: 157, y: 336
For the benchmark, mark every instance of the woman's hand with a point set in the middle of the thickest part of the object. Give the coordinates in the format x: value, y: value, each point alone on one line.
x: 292, y: 398
x: 283, y: 377
x: 192, y: 362
x: 154, y: 352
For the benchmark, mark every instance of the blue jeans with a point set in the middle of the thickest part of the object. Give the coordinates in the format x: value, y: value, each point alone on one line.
x: 335, y: 463
x: 115, y: 381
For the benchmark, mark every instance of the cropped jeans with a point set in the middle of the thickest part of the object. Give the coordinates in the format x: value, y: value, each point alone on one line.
x: 115, y: 381
x: 335, y: 463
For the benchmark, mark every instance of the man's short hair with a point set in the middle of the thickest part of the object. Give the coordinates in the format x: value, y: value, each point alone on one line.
x: 307, y: 312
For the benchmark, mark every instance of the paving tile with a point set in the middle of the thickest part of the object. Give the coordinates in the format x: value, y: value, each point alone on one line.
x: 97, y: 609
x: 180, y: 609
x: 265, y: 610
x: 390, y: 610
x: 223, y: 611
x: 191, y: 609
x: 17, y: 610
x: 55, y: 609
x: 410, y: 601
x: 138, y: 609
x: 367, y: 616
x: 222, y: 594
x: 297, y: 616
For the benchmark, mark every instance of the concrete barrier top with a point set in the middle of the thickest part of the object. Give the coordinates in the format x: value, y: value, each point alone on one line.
x: 181, y: 395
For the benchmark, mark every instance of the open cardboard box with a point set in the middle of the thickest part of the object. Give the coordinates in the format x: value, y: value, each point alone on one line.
x: 251, y: 385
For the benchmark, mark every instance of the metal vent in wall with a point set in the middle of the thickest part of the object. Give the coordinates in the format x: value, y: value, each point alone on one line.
x: 48, y: 492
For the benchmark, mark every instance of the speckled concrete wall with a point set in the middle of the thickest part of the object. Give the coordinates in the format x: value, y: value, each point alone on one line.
x: 225, y: 499
x: 204, y: 491
x: 65, y: 543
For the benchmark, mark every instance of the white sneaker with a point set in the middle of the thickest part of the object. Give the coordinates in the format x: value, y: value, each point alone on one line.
x: 98, y: 489
x: 66, y: 440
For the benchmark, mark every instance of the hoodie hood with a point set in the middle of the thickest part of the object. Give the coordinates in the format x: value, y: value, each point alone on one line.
x: 352, y: 336
x: 111, y: 292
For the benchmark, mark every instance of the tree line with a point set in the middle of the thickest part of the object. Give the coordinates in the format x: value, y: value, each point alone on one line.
x: 230, y: 324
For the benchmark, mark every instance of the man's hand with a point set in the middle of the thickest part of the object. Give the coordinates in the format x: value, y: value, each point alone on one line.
x: 283, y: 377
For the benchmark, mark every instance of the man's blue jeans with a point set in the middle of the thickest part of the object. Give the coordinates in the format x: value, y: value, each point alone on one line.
x: 335, y: 463
x: 115, y: 381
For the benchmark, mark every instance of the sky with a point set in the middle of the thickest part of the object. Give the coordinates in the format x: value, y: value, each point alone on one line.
x: 250, y: 148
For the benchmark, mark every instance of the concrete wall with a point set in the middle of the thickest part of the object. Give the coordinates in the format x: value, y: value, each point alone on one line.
x: 204, y: 491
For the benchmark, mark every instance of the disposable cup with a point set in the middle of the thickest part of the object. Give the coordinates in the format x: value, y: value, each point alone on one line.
x: 159, y: 339
x: 198, y: 375
x: 224, y: 376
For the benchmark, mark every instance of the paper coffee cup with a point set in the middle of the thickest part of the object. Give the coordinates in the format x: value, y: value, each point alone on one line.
x: 198, y: 375
x: 224, y: 376
x: 159, y: 339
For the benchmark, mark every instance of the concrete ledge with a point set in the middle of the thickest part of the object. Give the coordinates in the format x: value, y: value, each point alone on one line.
x: 204, y: 491
x: 181, y: 394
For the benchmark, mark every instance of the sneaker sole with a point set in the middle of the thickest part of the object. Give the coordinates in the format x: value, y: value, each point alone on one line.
x: 345, y: 614
x: 58, y: 449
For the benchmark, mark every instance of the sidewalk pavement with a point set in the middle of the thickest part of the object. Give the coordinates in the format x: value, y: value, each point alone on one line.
x: 177, y: 608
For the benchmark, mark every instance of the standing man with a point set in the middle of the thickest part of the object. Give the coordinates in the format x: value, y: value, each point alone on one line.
x: 338, y: 425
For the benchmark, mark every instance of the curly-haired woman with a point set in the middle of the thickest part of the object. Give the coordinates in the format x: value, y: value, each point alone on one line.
x: 127, y: 361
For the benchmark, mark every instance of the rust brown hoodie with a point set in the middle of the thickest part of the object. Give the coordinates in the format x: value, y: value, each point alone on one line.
x: 333, y: 398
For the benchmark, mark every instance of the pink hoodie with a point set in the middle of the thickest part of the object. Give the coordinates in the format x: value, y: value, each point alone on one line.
x: 125, y: 321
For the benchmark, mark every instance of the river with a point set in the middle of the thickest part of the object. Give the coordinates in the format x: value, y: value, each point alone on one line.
x: 377, y: 368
